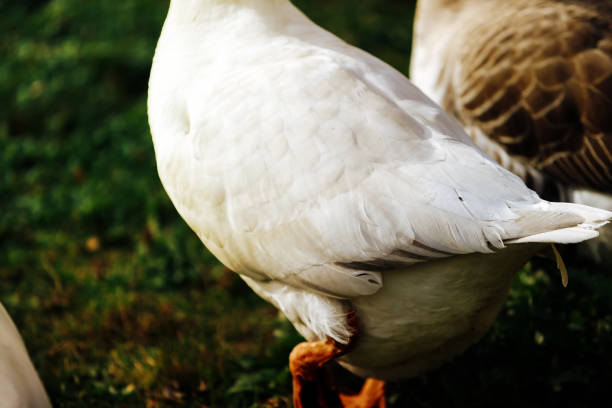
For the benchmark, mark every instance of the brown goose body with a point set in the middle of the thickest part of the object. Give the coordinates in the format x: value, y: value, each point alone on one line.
x: 531, y: 81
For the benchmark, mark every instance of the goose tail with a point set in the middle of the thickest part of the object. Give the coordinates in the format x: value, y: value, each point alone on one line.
x: 562, y: 223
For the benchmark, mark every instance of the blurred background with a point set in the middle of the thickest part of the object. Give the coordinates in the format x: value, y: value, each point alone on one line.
x: 119, y: 303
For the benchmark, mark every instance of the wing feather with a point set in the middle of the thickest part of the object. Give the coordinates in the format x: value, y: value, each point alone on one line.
x: 338, y: 170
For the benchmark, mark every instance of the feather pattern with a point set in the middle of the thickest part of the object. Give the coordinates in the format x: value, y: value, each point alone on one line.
x: 530, y: 80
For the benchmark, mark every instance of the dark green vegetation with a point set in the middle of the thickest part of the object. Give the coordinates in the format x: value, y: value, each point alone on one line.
x: 117, y: 300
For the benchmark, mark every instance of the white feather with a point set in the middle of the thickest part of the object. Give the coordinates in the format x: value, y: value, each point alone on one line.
x: 298, y: 160
x: 20, y: 386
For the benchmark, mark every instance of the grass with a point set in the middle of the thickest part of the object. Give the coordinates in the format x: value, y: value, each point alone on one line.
x: 117, y: 300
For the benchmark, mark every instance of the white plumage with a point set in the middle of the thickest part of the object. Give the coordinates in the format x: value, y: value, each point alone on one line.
x: 329, y: 183
x: 20, y: 386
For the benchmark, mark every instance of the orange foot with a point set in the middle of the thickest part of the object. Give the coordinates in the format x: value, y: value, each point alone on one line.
x: 372, y: 395
x: 309, y: 389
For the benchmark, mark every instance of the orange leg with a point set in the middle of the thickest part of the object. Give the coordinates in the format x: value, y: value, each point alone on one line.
x: 305, y: 363
x: 309, y: 390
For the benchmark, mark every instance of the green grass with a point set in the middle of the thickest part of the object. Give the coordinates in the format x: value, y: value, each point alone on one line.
x: 117, y: 300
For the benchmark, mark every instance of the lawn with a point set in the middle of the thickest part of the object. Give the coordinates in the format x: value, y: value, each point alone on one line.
x: 120, y: 304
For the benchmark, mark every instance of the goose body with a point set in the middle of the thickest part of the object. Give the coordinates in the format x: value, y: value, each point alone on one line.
x: 531, y: 82
x: 331, y: 184
x: 20, y: 386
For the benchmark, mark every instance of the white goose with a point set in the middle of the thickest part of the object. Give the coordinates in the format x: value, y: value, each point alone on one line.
x: 337, y: 190
x: 20, y: 386
x: 531, y: 81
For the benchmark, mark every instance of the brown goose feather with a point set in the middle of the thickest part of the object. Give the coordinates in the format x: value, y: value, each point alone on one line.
x: 535, y: 77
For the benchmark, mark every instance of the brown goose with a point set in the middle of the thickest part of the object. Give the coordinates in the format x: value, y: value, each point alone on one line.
x: 531, y: 81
